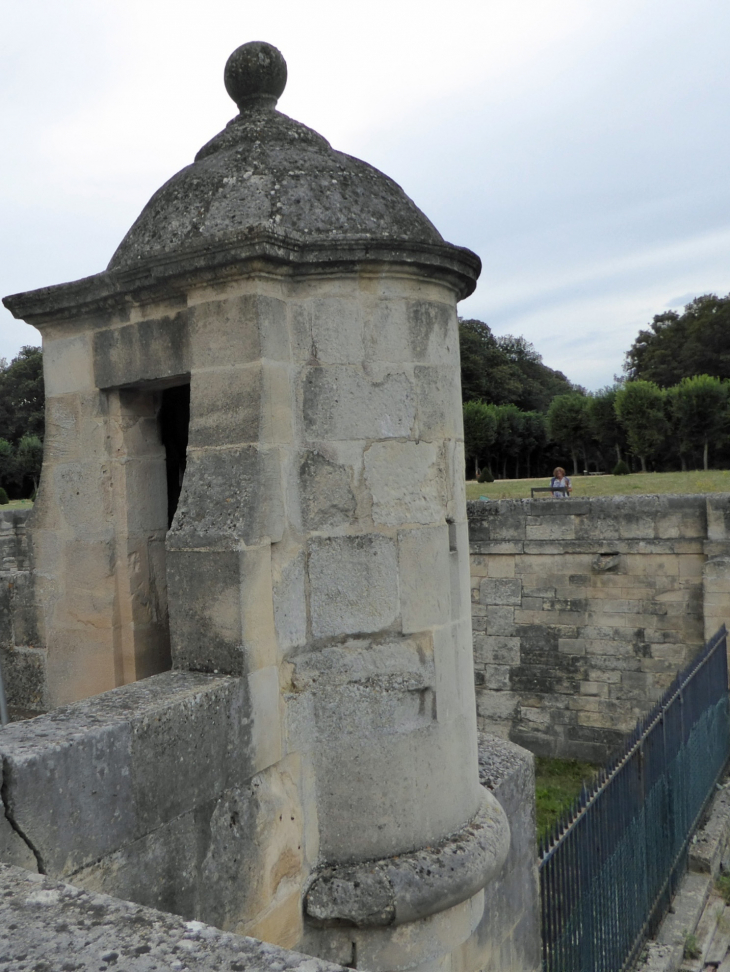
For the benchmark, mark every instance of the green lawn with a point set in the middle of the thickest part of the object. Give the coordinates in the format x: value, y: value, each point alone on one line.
x: 557, y: 784
x: 25, y: 504
x: 713, y: 481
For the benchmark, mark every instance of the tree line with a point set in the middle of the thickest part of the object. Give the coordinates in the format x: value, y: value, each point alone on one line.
x: 22, y: 422
x: 670, y: 410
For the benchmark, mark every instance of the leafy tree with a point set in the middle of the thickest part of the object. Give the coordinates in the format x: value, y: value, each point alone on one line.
x: 539, y: 384
x: 7, y: 462
x: 568, y: 423
x: 30, y: 458
x: 604, y: 425
x: 678, y: 346
x: 699, y: 410
x: 640, y: 410
x: 510, y: 424
x: 480, y: 431
x: 505, y: 370
x: 534, y: 435
x: 22, y: 396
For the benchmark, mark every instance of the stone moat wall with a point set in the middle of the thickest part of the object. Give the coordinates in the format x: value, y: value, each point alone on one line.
x: 584, y: 610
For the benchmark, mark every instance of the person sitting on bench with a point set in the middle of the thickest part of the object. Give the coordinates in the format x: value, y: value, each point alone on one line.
x: 561, y: 480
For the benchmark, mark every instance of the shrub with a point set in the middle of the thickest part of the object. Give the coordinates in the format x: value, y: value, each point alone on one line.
x: 621, y: 469
x: 3, y: 497
x: 722, y: 886
x: 692, y: 948
x: 485, y: 476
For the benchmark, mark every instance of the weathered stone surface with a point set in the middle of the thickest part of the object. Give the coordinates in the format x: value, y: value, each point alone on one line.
x: 229, y: 495
x: 508, y: 936
x: 150, y: 350
x: 266, y: 173
x: 54, y: 925
x: 353, y: 584
x: 405, y: 481
x: 424, y: 598
x: 341, y: 402
x: 413, y: 886
x: 327, y: 497
x: 589, y: 620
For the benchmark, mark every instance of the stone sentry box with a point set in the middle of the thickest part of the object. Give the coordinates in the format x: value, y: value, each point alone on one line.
x: 304, y: 311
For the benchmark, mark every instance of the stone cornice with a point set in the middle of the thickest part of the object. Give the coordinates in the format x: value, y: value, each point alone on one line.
x: 204, y: 263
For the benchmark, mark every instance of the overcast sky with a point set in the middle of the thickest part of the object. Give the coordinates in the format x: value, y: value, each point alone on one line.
x: 581, y: 148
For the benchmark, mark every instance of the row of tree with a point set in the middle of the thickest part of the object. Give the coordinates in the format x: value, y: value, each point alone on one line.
x: 22, y: 426
x: 685, y: 425
x: 677, y: 346
x: 506, y: 370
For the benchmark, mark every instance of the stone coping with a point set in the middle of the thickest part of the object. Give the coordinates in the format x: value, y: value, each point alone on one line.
x: 46, y: 926
x: 401, y: 889
x: 596, y: 505
x: 263, y: 253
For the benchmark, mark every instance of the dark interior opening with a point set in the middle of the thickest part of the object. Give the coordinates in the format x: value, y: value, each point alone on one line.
x: 174, y: 419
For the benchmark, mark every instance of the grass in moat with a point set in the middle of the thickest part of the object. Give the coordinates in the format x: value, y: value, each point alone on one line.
x: 636, y: 484
x: 24, y: 504
x: 557, y: 784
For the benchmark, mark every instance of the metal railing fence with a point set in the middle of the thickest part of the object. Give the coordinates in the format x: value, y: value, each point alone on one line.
x: 609, y: 868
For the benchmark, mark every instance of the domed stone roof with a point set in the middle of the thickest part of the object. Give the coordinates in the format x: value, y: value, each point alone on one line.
x: 266, y: 174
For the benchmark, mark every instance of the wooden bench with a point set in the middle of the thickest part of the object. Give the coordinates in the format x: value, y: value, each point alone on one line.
x: 547, y: 489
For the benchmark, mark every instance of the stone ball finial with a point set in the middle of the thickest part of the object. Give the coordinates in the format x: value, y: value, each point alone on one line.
x: 255, y: 75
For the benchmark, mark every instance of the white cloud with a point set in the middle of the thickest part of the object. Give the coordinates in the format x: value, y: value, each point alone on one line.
x: 580, y: 148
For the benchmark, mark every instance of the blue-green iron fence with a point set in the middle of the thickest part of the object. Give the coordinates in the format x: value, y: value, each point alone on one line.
x: 609, y: 868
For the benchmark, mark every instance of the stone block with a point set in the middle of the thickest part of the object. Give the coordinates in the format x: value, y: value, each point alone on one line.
x: 24, y: 677
x: 341, y: 402
x: 326, y: 492
x: 497, y: 677
x: 572, y: 646
x: 59, y: 924
x: 353, y: 584
x: 502, y: 591
x: 258, y: 633
x: 406, y: 482
x: 501, y: 566
x: 438, y: 396
x: 67, y: 365
x: 601, y: 675
x: 432, y: 331
x: 337, y: 330
x: 229, y: 496
x: 529, y: 591
x: 500, y: 619
x: 227, y: 406
x: 146, y: 351
x: 492, y: 650
x: 204, y: 592
x: 531, y: 603
x: 550, y: 528
x: 493, y: 705
x: 266, y: 746
x: 423, y: 565
x: 289, y: 596
x: 238, y: 329
x: 596, y: 528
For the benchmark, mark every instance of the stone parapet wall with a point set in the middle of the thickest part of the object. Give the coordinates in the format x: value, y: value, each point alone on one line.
x: 22, y: 662
x: 584, y: 610
x: 47, y: 925
x: 507, y: 938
